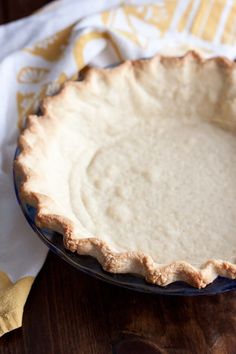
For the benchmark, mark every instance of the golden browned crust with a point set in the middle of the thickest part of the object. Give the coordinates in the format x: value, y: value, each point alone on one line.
x: 127, y: 262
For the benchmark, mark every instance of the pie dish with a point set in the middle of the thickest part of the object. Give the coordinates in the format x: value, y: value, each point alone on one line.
x: 142, y: 168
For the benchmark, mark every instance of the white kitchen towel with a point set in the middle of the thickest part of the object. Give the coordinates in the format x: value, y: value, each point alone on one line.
x: 40, y: 52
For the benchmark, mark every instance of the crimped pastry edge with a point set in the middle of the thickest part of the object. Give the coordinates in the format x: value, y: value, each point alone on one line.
x: 125, y: 262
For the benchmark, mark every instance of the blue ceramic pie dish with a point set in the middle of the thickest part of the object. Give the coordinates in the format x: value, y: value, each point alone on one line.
x: 91, y: 266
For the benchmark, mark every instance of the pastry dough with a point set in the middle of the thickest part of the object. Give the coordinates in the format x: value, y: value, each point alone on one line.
x: 136, y: 166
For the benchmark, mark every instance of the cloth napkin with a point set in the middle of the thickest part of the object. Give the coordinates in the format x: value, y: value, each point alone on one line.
x: 40, y: 52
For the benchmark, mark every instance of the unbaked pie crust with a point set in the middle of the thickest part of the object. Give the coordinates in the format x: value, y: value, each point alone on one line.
x: 136, y: 166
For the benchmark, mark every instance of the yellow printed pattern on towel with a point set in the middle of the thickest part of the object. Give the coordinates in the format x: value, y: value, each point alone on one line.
x: 205, y: 22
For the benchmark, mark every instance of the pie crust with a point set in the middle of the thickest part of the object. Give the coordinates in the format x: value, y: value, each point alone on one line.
x: 136, y: 166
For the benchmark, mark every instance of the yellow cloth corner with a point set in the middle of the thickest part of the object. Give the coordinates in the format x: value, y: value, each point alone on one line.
x: 12, y: 300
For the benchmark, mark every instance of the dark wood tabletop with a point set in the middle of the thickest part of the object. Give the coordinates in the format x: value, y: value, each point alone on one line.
x: 70, y: 312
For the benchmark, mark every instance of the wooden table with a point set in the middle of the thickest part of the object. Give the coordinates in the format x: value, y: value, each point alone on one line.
x: 70, y: 312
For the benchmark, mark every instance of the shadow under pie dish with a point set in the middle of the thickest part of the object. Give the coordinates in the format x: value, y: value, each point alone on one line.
x: 142, y: 168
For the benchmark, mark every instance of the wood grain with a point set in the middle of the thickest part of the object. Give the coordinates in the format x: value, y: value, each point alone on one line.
x: 2, y: 12
x: 14, y: 9
x: 69, y: 312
